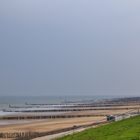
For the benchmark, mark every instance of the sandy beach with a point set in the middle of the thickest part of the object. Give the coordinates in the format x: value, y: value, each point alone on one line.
x: 39, y: 122
x: 48, y: 125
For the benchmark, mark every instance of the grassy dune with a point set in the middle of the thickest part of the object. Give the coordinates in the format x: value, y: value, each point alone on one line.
x: 128, y: 129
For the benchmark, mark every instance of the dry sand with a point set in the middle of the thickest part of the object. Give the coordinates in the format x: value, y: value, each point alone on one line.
x: 49, y: 125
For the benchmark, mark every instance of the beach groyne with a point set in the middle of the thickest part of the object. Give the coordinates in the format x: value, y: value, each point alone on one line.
x: 45, y: 117
x: 71, y: 109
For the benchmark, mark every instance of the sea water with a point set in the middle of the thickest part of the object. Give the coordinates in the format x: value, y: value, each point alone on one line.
x: 18, y: 100
x: 5, y: 101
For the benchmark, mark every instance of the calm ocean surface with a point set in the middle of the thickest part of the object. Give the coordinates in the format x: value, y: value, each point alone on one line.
x: 5, y: 101
x: 21, y: 100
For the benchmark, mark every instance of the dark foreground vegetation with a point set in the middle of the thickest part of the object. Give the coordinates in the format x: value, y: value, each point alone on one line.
x: 128, y: 129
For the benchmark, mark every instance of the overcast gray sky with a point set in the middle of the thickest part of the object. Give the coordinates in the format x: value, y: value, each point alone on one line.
x: 69, y: 47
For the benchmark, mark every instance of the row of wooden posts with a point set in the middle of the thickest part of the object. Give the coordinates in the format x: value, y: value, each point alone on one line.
x: 46, y: 117
x: 74, y: 109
